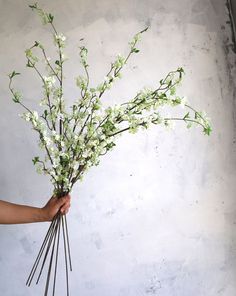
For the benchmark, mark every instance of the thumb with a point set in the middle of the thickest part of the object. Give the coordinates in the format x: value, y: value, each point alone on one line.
x: 61, y: 201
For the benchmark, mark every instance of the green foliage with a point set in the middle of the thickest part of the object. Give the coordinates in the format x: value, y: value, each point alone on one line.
x: 35, y: 160
x: 13, y: 74
x: 208, y: 130
x: 47, y: 18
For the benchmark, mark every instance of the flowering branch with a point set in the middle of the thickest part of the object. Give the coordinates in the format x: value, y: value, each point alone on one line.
x: 74, y: 141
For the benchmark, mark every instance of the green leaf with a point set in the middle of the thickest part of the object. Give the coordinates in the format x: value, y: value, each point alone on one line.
x: 15, y: 100
x: 35, y: 160
x: 50, y: 17
x: 57, y: 62
x: 29, y: 64
x: 207, y: 130
x: 172, y: 91
x: 96, y: 107
x: 34, y: 6
x: 38, y: 44
x: 135, y: 50
x: 16, y: 97
x: 189, y: 125
x: 144, y: 30
x: 169, y: 84
x: 110, y: 145
x: 14, y: 73
x: 74, y: 107
x: 180, y: 69
x: 186, y: 116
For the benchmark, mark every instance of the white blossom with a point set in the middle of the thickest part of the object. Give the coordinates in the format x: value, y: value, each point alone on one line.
x: 60, y: 39
x: 47, y: 140
x: 35, y: 115
x: 50, y: 81
x: 26, y: 116
x: 183, y: 102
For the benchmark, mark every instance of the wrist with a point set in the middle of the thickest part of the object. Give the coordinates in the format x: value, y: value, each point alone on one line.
x: 42, y: 214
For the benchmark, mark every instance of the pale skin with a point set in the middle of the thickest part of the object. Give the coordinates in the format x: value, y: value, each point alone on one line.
x: 11, y: 213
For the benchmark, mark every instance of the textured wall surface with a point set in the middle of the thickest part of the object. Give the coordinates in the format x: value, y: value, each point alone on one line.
x: 158, y: 216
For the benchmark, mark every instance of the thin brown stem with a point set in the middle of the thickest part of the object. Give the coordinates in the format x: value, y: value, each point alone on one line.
x: 49, y: 64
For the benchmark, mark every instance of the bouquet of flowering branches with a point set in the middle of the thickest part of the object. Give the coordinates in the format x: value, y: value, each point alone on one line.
x: 74, y: 138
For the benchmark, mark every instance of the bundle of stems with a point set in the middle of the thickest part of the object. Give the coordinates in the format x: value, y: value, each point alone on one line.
x: 73, y: 139
x: 50, y: 250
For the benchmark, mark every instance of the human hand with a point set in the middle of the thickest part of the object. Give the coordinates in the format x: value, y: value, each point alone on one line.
x: 54, y: 205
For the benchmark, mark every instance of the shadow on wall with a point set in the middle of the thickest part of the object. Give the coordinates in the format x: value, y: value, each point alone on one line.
x: 231, y: 5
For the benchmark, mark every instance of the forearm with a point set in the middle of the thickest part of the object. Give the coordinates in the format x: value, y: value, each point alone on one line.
x: 16, y: 214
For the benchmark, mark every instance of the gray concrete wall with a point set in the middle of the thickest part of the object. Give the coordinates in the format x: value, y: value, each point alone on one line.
x: 158, y: 216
